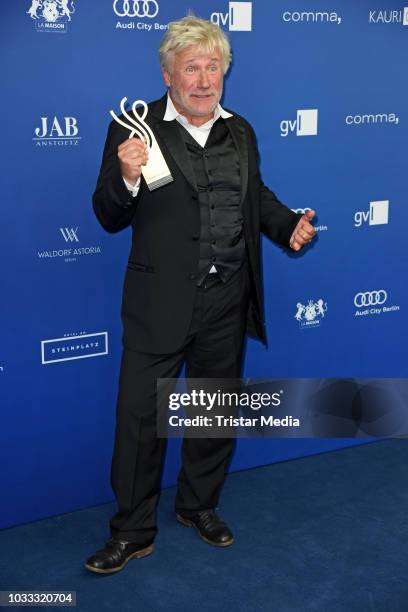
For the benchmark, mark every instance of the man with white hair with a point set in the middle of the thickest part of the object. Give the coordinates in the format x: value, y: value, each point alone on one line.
x: 192, y: 288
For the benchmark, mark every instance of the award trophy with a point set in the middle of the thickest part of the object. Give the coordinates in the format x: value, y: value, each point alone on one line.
x: 156, y: 172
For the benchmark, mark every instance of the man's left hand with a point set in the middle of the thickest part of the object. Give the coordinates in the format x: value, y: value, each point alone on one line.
x: 304, y: 232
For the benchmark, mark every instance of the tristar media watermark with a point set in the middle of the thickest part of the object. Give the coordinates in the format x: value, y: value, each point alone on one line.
x: 303, y: 211
x: 311, y: 17
x: 130, y: 12
x: 369, y: 303
x: 73, y: 251
x: 305, y: 123
x: 222, y: 401
x: 395, y: 16
x: 70, y: 347
x: 281, y: 408
x: 372, y: 119
x: 51, y: 15
x: 377, y: 214
x: 62, y: 132
x: 238, y: 18
x: 311, y: 313
x: 217, y: 407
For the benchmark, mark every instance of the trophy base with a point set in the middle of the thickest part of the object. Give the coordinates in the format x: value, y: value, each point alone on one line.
x: 160, y: 182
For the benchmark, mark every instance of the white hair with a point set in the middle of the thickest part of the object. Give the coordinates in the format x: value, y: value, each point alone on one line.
x: 190, y: 31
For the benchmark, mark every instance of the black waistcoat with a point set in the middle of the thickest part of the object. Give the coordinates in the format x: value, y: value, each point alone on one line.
x: 217, y: 174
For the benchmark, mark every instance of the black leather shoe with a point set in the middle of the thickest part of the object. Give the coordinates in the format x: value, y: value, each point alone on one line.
x: 115, y: 555
x: 210, y: 527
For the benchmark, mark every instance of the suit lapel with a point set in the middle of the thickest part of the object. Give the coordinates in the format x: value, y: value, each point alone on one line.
x: 169, y: 132
x: 170, y: 137
x: 237, y: 132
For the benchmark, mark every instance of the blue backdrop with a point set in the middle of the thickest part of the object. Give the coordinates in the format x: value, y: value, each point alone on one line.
x: 323, y: 84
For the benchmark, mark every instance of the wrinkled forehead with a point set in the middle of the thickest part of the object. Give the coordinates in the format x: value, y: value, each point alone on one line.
x: 200, y: 53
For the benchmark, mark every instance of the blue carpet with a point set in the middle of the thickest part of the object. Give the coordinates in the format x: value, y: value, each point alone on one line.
x: 322, y: 533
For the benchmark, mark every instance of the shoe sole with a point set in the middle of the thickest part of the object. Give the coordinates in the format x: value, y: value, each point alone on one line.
x: 187, y: 523
x: 139, y: 554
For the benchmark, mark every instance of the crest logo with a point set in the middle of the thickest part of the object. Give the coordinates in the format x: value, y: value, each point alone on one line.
x: 309, y: 315
x: 51, y: 15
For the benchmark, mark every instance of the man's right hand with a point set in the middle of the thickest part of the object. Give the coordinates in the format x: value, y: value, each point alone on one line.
x: 132, y: 154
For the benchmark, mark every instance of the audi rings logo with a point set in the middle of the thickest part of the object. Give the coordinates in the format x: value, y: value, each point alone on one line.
x: 301, y: 211
x: 370, y: 298
x: 136, y: 8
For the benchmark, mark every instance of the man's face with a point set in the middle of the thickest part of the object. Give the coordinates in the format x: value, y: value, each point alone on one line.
x: 195, y: 82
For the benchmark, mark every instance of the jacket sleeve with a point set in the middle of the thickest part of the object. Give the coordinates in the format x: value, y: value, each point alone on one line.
x: 113, y: 204
x: 277, y: 221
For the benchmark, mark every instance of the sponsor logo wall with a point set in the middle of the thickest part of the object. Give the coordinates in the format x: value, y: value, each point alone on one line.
x: 331, y: 122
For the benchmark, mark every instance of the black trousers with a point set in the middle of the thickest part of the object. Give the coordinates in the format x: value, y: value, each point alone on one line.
x: 213, y: 349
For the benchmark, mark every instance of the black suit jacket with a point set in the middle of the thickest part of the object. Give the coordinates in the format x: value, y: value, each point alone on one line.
x: 160, y: 282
